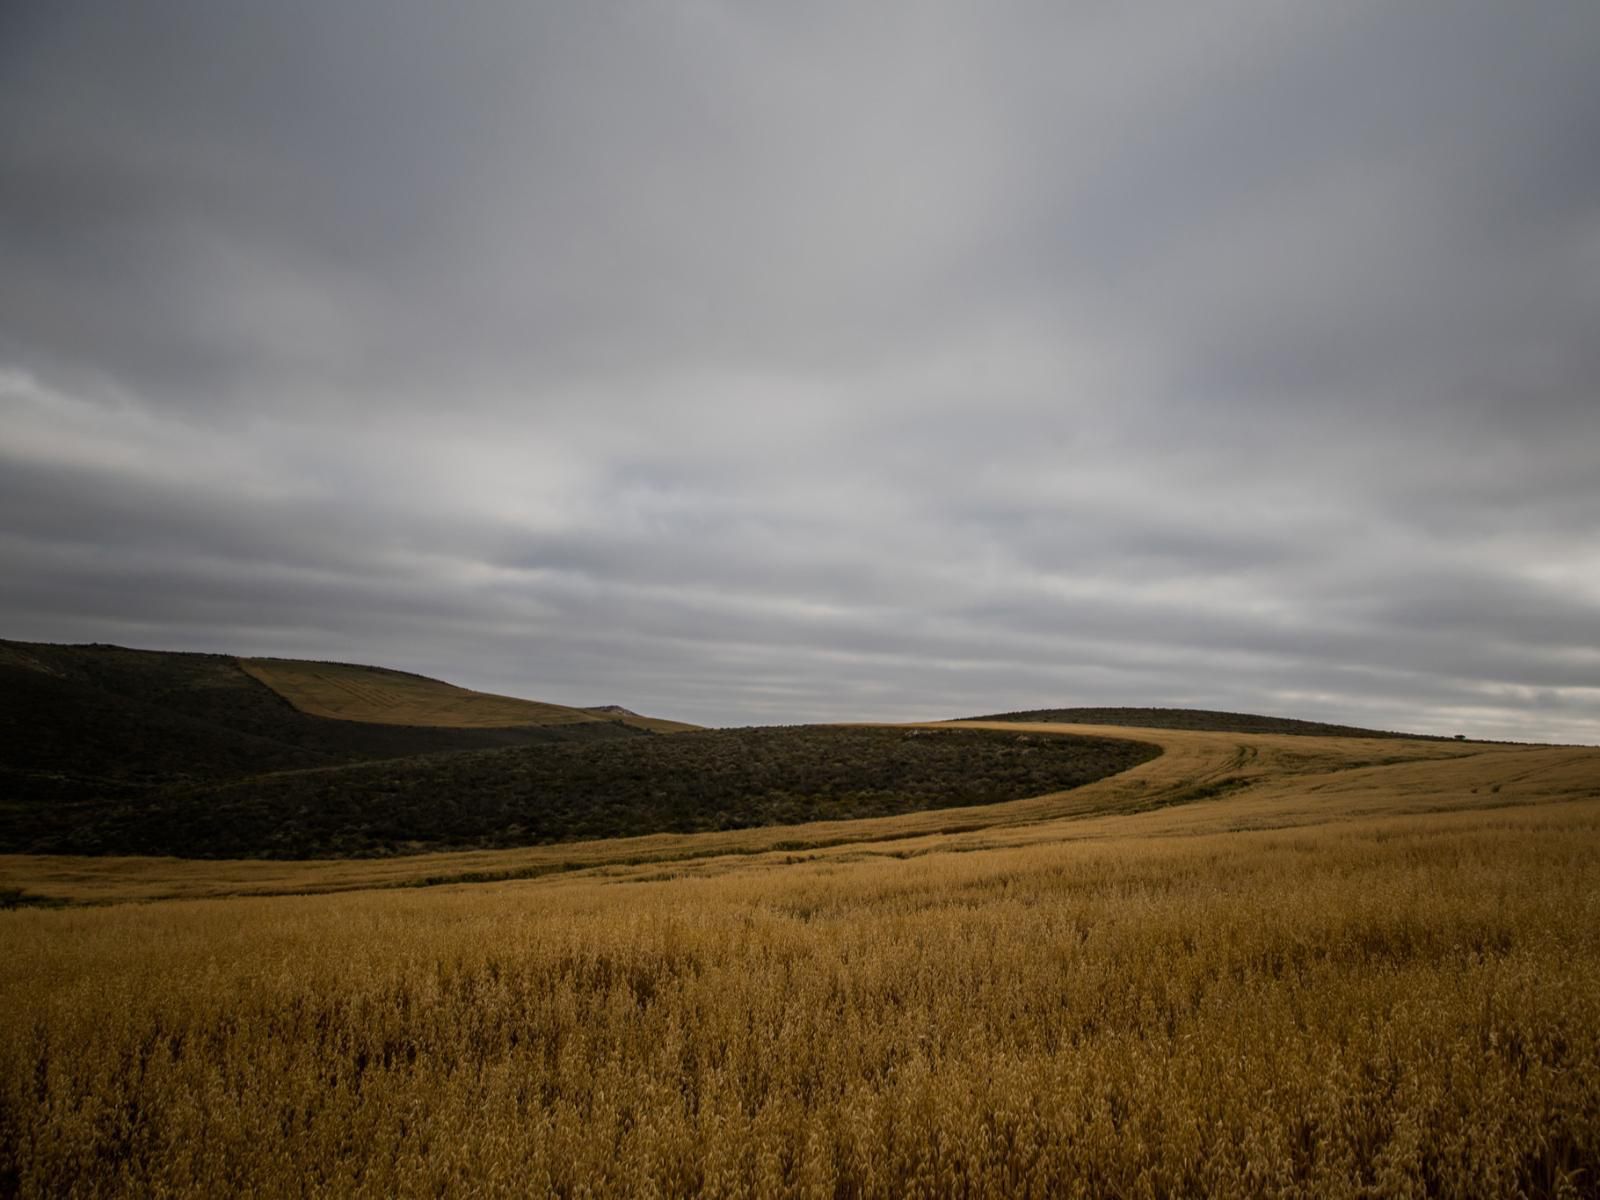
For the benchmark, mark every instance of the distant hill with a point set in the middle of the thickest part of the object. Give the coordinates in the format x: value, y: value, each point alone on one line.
x: 103, y: 725
x: 654, y: 724
x: 1200, y: 719
x: 381, y: 696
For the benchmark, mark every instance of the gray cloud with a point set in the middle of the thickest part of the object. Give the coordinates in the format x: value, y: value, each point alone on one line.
x: 753, y: 364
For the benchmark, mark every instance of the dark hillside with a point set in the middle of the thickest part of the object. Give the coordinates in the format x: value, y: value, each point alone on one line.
x: 79, y: 721
x: 715, y: 779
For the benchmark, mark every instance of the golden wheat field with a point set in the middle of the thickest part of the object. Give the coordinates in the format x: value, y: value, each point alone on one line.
x: 1253, y: 966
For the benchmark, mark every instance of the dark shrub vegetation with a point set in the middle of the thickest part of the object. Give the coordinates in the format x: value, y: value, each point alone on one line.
x: 714, y: 779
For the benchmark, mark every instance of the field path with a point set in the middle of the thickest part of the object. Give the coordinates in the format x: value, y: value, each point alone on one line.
x: 1234, y: 780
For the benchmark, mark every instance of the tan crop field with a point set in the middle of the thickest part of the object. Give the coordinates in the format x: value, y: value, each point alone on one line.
x: 1255, y: 965
x: 380, y: 696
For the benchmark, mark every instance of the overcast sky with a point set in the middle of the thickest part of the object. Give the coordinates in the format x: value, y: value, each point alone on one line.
x: 756, y: 362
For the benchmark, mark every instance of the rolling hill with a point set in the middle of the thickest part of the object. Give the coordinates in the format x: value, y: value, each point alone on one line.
x: 107, y: 750
x: 97, y: 727
x: 381, y: 696
x: 1205, y: 720
x: 629, y: 717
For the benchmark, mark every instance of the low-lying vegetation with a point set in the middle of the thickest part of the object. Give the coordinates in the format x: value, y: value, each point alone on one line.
x: 533, y: 795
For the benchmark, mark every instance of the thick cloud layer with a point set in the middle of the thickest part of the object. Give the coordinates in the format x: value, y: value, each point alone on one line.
x: 751, y: 363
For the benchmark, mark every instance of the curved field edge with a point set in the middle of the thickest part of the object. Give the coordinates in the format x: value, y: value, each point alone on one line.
x: 1202, y: 783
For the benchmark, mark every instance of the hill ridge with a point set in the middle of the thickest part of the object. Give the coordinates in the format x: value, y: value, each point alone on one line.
x: 1204, y: 719
x: 389, y: 696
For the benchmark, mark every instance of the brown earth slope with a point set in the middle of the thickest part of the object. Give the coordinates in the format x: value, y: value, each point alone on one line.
x: 380, y: 696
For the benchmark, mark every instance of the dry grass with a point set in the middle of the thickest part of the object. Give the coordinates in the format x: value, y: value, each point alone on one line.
x: 383, y: 697
x: 1221, y: 975
x: 1389, y: 1007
